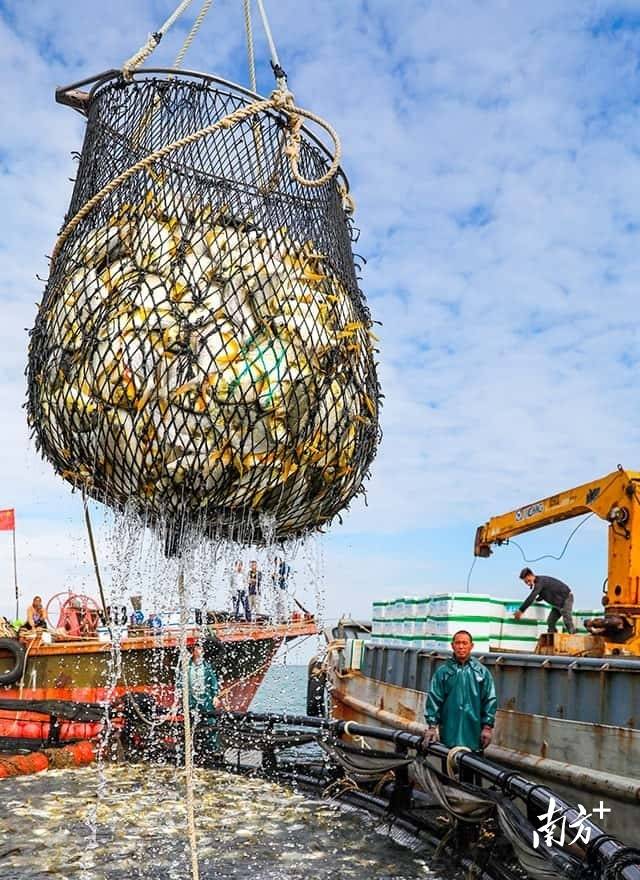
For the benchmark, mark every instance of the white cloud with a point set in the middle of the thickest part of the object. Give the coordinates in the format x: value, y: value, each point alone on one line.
x: 493, y: 153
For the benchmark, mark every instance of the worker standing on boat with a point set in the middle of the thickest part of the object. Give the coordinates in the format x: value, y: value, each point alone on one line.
x: 254, y: 583
x: 239, y: 592
x: 280, y: 579
x: 203, y: 699
x: 461, y: 700
x: 553, y: 591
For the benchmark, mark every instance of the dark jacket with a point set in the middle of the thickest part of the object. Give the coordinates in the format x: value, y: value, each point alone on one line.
x: 461, y: 700
x: 254, y: 581
x: 547, y: 589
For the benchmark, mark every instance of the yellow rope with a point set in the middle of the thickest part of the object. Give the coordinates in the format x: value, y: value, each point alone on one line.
x: 279, y: 100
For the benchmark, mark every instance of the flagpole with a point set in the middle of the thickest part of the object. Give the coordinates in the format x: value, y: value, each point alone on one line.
x: 15, y: 573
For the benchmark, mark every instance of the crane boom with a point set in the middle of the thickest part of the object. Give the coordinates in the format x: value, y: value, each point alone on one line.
x: 614, y: 498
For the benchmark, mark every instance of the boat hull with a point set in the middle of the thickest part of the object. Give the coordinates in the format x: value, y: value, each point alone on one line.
x: 95, y: 672
x: 584, y: 761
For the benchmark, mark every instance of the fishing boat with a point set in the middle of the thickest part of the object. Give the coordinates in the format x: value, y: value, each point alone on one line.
x: 55, y: 689
x: 569, y: 710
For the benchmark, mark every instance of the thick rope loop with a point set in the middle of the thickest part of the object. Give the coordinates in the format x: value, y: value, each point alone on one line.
x: 280, y: 100
x: 284, y: 101
x: 453, y: 753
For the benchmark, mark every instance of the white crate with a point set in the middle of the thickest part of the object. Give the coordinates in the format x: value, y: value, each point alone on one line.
x: 519, y: 629
x: 447, y: 627
x: 424, y: 626
x: 461, y: 605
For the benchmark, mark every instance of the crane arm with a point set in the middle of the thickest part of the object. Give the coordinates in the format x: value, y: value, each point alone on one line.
x: 614, y: 499
x: 609, y: 498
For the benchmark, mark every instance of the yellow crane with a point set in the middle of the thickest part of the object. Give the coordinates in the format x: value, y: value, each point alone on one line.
x: 615, y: 499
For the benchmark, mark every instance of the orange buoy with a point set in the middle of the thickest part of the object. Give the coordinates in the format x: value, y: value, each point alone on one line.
x: 74, y: 755
x: 32, y: 725
x: 18, y: 765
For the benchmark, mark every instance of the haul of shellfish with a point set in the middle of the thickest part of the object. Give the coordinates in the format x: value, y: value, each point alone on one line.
x: 191, y: 363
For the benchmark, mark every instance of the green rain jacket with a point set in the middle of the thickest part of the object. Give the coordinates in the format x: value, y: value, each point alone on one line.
x: 204, y: 702
x: 461, y: 700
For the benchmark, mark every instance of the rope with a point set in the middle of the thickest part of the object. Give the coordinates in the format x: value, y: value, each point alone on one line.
x: 455, y: 797
x: 453, y: 752
x: 251, y: 61
x: 358, y: 738
x: 339, y: 786
x: 206, y: 6
x: 150, y: 112
x: 24, y: 667
x: 145, y: 51
x: 188, y: 739
x: 280, y: 100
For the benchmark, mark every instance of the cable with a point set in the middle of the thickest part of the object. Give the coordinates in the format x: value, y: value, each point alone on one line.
x: 275, y: 61
x: 550, y: 555
x: 475, y: 559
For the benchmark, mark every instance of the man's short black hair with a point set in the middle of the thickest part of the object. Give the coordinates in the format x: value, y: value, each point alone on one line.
x: 462, y: 632
x: 525, y: 573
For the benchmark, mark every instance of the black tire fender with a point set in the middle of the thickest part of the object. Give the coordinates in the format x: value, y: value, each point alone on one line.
x: 14, y: 647
x: 316, y: 687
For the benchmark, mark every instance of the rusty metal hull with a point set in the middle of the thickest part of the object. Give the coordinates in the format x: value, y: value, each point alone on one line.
x: 89, y: 671
x: 570, y: 747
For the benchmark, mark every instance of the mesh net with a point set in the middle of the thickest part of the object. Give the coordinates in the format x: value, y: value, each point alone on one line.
x: 202, y: 352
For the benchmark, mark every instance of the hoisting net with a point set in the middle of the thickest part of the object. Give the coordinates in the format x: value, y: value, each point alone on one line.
x: 202, y: 352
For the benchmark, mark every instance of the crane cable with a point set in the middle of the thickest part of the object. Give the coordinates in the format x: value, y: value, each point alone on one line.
x: 550, y: 555
x: 280, y: 75
x: 538, y: 558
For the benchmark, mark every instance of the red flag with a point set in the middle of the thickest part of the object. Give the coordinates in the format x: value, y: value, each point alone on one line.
x: 7, y: 520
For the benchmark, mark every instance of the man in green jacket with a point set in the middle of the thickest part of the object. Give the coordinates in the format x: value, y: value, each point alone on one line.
x: 203, y: 699
x: 461, y: 700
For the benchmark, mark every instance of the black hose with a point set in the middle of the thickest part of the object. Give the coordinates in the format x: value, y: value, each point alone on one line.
x: 609, y: 851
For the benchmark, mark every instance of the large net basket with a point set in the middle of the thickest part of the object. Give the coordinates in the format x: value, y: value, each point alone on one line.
x: 202, y: 352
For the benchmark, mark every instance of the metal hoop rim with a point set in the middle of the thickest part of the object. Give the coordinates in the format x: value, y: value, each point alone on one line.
x: 102, y: 79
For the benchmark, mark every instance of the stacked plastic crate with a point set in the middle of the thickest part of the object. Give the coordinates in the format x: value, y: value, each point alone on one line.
x: 431, y: 621
x: 522, y: 635
x: 509, y: 634
x: 402, y: 622
x: 450, y: 612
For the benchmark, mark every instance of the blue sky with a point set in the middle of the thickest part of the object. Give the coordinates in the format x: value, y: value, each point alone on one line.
x: 493, y: 151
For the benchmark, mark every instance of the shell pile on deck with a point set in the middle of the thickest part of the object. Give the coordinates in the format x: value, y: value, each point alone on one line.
x: 187, y: 363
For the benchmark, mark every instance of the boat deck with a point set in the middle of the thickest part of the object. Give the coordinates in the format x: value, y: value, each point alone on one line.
x: 231, y: 631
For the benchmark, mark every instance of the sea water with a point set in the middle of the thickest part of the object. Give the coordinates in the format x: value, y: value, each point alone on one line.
x: 128, y: 823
